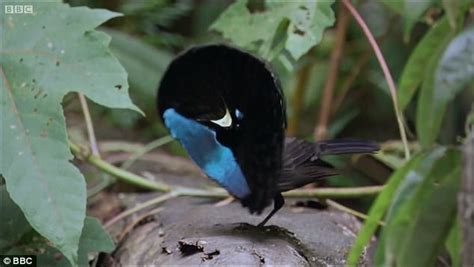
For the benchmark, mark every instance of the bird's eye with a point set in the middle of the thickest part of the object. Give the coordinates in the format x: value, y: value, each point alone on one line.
x: 225, y: 121
x: 238, y: 114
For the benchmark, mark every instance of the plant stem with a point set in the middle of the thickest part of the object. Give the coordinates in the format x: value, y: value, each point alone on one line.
x: 149, y: 147
x: 343, y: 208
x: 341, y: 193
x: 131, y: 178
x: 297, y: 100
x: 466, y: 204
x: 386, y: 72
x: 122, y: 175
x: 89, y: 125
x: 144, y: 205
x: 320, y: 132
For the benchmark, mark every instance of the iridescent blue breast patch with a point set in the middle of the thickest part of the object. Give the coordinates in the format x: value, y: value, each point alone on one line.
x: 217, y: 161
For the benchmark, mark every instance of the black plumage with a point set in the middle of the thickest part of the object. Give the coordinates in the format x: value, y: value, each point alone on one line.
x: 204, y: 82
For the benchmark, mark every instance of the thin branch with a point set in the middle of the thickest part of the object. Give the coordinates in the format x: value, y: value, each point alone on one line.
x: 347, y: 84
x: 89, y: 125
x: 141, y: 206
x: 131, y: 178
x: 320, y: 132
x: 386, y: 72
x: 297, y: 100
x: 132, y: 225
x: 149, y: 147
x: 355, y: 213
x: 340, y: 193
x: 466, y: 204
x: 122, y: 175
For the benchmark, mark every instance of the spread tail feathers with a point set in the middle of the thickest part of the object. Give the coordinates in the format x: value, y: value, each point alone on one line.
x: 345, y: 146
x: 302, y: 163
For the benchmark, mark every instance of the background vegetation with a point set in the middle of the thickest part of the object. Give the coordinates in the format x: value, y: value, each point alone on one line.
x: 399, y: 72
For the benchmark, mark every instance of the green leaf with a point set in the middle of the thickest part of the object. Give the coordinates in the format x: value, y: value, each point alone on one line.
x: 17, y: 237
x: 43, y: 57
x: 451, y: 8
x: 13, y: 225
x: 414, y: 233
x: 395, y: 6
x: 144, y: 65
x: 415, y: 69
x: 453, y: 243
x: 453, y: 72
x: 308, y: 22
x: 305, y: 23
x: 377, y: 210
x: 413, y: 10
x: 94, y: 239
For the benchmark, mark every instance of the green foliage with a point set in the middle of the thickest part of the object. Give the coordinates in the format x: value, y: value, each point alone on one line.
x: 19, y: 238
x: 421, y: 219
x: 44, y: 57
x: 294, y: 26
x: 413, y: 231
x: 453, y: 73
x: 379, y: 207
x: 415, y: 72
x: 412, y: 11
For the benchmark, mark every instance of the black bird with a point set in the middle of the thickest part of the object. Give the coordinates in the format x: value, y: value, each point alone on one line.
x: 227, y: 109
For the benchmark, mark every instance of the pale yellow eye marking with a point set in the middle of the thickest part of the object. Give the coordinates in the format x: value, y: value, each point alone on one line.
x: 225, y: 121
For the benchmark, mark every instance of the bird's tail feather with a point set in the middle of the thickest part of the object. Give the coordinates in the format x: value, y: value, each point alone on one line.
x: 345, y: 146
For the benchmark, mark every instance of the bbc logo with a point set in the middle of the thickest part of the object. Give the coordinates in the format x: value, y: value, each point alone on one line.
x: 18, y: 9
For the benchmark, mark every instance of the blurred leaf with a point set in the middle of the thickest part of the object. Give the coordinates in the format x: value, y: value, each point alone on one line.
x: 13, y: 224
x: 415, y: 68
x: 17, y: 237
x: 45, y: 56
x: 144, y: 64
x: 395, y: 6
x: 452, y: 74
x: 94, y: 239
x: 414, y: 233
x: 393, y: 161
x: 413, y: 10
x: 378, y: 208
x: 451, y: 8
x: 307, y: 22
x: 453, y: 243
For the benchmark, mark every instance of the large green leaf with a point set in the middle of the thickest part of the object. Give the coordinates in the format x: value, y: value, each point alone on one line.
x: 415, y: 69
x: 94, y: 239
x: 453, y: 72
x: 378, y: 209
x: 304, y: 22
x: 422, y: 214
x: 43, y: 57
x: 413, y: 10
x: 17, y: 237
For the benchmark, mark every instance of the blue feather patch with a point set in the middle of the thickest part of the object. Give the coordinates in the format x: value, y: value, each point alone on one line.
x: 217, y: 161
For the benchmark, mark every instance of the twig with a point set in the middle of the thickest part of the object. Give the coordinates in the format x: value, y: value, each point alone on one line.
x: 344, y: 192
x: 297, y: 100
x: 359, y: 65
x: 122, y: 175
x: 386, y: 71
x: 131, y: 178
x: 466, y: 204
x: 89, y: 125
x: 139, y: 207
x: 132, y: 225
x: 343, y: 208
x: 149, y: 147
x: 321, y: 129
